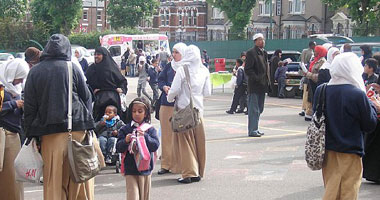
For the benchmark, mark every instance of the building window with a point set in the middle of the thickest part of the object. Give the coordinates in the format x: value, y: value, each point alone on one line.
x: 180, y: 18
x: 264, y: 8
x: 297, y: 6
x: 99, y: 15
x: 85, y: 15
x: 189, y: 17
x: 217, y: 14
x: 195, y: 18
x: 167, y: 17
x: 162, y: 18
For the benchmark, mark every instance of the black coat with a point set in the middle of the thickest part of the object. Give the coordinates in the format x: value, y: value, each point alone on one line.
x: 46, y: 93
x: 256, y: 68
x: 371, y: 160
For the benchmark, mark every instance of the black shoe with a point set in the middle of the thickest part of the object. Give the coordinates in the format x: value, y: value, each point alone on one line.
x: 240, y: 111
x: 301, y: 113
x: 195, y: 179
x: 230, y: 112
x: 184, y: 180
x: 246, y: 112
x: 163, y: 171
x: 254, y: 135
x: 307, y: 119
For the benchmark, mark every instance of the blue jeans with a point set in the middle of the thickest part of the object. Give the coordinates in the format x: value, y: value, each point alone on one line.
x: 132, y: 70
x: 106, y: 145
x: 255, y: 108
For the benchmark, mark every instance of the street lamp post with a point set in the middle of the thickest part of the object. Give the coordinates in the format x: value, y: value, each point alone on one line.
x: 270, y: 18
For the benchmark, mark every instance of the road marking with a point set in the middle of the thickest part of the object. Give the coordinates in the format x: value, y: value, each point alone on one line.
x: 261, y: 127
x: 31, y: 191
x: 271, y: 104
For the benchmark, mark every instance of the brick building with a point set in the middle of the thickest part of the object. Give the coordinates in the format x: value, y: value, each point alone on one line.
x: 180, y: 20
x: 94, y: 16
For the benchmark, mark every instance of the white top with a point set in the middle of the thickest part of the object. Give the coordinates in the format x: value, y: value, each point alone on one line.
x: 200, y: 87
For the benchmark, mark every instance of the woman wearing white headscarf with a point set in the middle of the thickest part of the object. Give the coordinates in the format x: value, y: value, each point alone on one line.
x: 82, y: 61
x: 12, y: 75
x: 349, y: 114
x: 191, y: 145
x: 165, y: 79
x: 324, y: 72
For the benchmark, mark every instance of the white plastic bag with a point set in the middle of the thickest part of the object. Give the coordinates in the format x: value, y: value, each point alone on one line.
x: 123, y: 101
x: 28, y: 163
x: 232, y: 82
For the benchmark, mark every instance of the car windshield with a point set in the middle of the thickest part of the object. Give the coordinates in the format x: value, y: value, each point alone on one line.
x: 356, y: 49
x: 338, y: 40
x: 294, y: 57
x: 4, y: 57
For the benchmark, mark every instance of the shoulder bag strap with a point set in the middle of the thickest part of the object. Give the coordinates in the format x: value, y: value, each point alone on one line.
x: 321, y: 101
x: 70, y: 98
x: 187, y: 73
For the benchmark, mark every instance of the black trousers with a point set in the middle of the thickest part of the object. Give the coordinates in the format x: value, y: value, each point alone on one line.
x: 239, y: 92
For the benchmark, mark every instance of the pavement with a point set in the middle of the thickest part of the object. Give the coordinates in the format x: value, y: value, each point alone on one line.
x: 271, y: 167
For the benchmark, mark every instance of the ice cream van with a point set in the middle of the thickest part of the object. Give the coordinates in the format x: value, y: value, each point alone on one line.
x: 117, y: 44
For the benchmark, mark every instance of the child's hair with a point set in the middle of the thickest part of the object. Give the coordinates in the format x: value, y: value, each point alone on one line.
x: 281, y: 63
x: 114, y: 109
x: 146, y: 103
x: 372, y: 63
x: 154, y: 60
x: 240, y: 61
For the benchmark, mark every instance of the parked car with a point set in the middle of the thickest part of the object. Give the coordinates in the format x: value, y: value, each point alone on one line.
x: 20, y: 55
x: 330, y: 38
x: 87, y: 55
x: 355, y: 47
x: 5, y: 57
x: 293, y: 78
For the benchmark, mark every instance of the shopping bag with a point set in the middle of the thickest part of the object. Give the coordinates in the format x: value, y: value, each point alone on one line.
x: 28, y: 163
x: 2, y: 148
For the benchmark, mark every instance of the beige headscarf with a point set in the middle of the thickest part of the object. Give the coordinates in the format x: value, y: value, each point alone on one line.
x: 347, y: 69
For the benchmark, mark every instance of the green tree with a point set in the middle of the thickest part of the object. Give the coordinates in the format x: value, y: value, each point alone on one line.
x: 12, y: 8
x: 129, y: 13
x: 62, y: 15
x: 239, y: 12
x: 365, y: 13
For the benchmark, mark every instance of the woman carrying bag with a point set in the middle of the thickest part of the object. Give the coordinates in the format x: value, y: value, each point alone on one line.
x: 191, y: 144
x: 12, y: 75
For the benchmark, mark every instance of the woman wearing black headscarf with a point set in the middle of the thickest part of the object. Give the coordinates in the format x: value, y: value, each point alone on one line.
x: 366, y: 53
x: 106, y: 81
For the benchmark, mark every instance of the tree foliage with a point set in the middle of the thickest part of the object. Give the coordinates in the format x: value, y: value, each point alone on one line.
x: 21, y: 35
x: 366, y: 13
x: 12, y: 8
x: 63, y: 15
x: 239, y: 12
x: 129, y: 13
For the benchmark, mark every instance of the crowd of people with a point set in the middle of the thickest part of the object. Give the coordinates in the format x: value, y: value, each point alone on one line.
x: 39, y: 110
x: 35, y: 106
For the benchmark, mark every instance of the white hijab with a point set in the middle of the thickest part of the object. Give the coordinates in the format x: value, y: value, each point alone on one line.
x: 330, y: 58
x: 347, y: 69
x: 80, y: 52
x: 181, y: 48
x: 192, y: 58
x: 15, y: 69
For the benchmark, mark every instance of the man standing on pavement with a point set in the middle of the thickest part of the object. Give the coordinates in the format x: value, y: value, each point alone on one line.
x: 256, y: 68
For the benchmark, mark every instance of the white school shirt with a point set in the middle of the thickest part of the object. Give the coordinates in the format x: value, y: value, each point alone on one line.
x: 200, y: 87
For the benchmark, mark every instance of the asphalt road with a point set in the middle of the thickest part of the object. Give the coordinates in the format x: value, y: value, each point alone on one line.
x: 238, y: 167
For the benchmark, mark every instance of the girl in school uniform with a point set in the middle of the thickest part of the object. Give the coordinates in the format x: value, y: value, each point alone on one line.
x: 138, y: 182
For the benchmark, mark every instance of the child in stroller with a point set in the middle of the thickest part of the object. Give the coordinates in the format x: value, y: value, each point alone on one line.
x: 106, y: 130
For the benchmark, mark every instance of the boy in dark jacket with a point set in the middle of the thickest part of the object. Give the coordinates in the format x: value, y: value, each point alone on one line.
x: 240, y: 88
x: 370, y: 68
x: 107, y: 129
x: 280, y: 76
x: 154, y: 72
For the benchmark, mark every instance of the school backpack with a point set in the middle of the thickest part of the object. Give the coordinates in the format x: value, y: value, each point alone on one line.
x: 315, y: 136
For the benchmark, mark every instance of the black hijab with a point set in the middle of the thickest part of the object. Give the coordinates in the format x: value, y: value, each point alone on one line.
x: 105, y: 75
